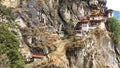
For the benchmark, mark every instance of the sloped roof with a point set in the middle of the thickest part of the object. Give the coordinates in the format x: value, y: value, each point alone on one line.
x: 37, y: 55
x: 110, y: 10
x: 85, y: 20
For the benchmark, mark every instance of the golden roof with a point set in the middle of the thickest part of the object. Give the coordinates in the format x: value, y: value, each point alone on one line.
x: 95, y: 11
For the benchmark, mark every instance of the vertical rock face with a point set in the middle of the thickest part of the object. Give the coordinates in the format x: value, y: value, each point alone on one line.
x: 53, y: 12
x: 40, y: 20
x: 98, y: 52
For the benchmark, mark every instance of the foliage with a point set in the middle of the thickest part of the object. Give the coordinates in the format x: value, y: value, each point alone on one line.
x: 6, y: 15
x: 113, y: 26
x: 68, y: 29
x: 9, y: 45
x: 6, y: 12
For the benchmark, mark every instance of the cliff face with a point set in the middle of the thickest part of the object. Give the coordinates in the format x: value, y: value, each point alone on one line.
x: 93, y: 51
x: 97, y: 51
x: 39, y: 22
x: 55, y: 14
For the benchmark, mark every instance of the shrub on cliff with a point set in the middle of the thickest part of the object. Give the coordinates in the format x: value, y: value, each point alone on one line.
x: 9, y: 54
x: 68, y: 29
x: 9, y: 46
x: 113, y: 25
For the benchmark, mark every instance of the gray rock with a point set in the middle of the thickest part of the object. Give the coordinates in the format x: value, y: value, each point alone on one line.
x: 118, y: 49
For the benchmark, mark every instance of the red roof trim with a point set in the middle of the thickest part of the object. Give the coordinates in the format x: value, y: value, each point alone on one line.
x: 37, y: 55
x: 85, y: 21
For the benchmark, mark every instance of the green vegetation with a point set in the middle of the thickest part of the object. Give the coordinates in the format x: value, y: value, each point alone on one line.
x: 68, y: 29
x: 10, y: 57
x: 9, y: 45
x: 6, y: 16
x: 6, y: 13
x: 113, y: 26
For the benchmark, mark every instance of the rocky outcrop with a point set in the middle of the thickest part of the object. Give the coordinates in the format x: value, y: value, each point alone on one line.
x: 97, y: 51
x: 55, y: 14
x: 93, y: 51
x: 39, y: 22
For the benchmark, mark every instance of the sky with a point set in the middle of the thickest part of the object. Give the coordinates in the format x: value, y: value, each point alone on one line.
x: 113, y: 4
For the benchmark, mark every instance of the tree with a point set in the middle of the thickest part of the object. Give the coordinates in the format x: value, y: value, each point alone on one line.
x: 113, y: 25
x: 6, y: 15
x: 9, y: 46
x: 10, y: 57
x: 69, y: 26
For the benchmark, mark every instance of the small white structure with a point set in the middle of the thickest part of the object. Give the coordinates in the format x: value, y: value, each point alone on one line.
x: 79, y: 34
x: 100, y: 18
x: 91, y: 18
x: 61, y: 34
x: 85, y: 25
x: 110, y: 13
x: 96, y: 20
